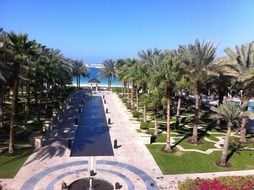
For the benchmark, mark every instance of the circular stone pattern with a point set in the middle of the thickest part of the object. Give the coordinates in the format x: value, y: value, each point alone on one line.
x: 31, y: 183
x: 98, y: 184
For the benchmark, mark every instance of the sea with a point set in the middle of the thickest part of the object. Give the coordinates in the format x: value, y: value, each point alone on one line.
x: 94, y: 72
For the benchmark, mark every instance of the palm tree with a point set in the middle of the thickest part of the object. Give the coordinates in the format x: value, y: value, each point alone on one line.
x: 154, y: 100
x: 138, y: 75
x: 129, y: 74
x: 5, y: 71
x: 147, y: 60
x: 242, y: 61
x: 181, y: 84
x: 108, y: 71
x: 5, y: 75
x: 220, y: 77
x: 146, y: 55
x: 230, y: 114
x: 165, y: 72
x: 28, y: 76
x: 20, y: 47
x: 79, y: 69
x: 198, y: 58
x: 123, y: 72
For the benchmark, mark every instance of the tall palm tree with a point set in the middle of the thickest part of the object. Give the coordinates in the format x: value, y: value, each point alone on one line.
x: 123, y: 72
x: 108, y: 71
x: 220, y: 77
x: 20, y: 47
x: 147, y: 60
x: 79, y: 69
x: 129, y: 74
x: 183, y: 83
x: 165, y: 72
x: 5, y: 75
x: 138, y: 75
x: 242, y: 61
x: 5, y: 71
x: 146, y: 55
x: 230, y: 114
x: 197, y: 57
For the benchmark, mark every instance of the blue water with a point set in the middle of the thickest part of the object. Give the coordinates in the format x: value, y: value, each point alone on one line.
x: 94, y: 72
x: 92, y: 137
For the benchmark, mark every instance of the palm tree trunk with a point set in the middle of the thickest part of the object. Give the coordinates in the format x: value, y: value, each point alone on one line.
x: 168, y: 147
x: 221, y: 95
x: 27, y: 104
x: 109, y: 83
x: 178, y: 108
x: 47, y: 95
x: 1, y: 104
x: 128, y: 90
x: 14, y: 102
x: 38, y: 104
x: 243, y: 130
x: 13, y: 115
x: 144, y: 113
x: 244, y: 105
x: 224, y: 155
x: 137, y: 100
x: 155, y: 122
x: 124, y: 87
x: 194, y: 139
x: 77, y: 81
x: 132, y: 95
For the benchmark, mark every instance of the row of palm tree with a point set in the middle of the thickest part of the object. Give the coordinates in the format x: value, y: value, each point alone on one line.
x: 158, y: 76
x: 41, y: 71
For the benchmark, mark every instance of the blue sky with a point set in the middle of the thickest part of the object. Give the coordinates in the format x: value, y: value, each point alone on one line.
x: 95, y: 30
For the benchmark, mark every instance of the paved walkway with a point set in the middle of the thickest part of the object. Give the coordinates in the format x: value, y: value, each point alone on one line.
x: 132, y: 164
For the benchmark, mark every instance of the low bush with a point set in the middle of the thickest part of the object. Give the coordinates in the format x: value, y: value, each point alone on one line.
x: 136, y: 114
x: 146, y: 125
x: 128, y: 105
x: 124, y: 100
x: 116, y: 89
x: 219, y: 183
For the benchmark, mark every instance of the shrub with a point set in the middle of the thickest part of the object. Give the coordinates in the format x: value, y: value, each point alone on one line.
x: 136, y: 114
x: 146, y: 125
x: 220, y: 183
x: 128, y: 105
x: 124, y: 100
x: 116, y: 89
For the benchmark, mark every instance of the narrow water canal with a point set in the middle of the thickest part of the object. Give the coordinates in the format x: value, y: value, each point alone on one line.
x: 92, y: 137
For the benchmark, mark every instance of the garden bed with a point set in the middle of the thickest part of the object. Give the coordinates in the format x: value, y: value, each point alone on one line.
x: 219, y: 183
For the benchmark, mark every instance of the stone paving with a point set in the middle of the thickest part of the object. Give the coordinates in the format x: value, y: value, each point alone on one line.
x: 132, y: 164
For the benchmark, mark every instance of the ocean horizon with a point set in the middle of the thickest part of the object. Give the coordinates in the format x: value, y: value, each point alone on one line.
x: 94, y: 73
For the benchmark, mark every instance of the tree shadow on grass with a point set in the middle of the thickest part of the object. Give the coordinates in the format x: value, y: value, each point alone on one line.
x: 235, y: 148
x: 26, y: 152
x: 178, y: 142
x: 204, y: 132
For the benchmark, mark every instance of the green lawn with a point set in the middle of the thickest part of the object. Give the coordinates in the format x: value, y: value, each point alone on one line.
x: 185, y: 144
x: 190, y: 162
x: 9, y: 166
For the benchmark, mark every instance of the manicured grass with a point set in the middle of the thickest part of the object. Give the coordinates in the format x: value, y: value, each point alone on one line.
x: 203, y: 146
x: 185, y: 144
x: 190, y: 162
x: 9, y: 166
x: 213, y: 136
